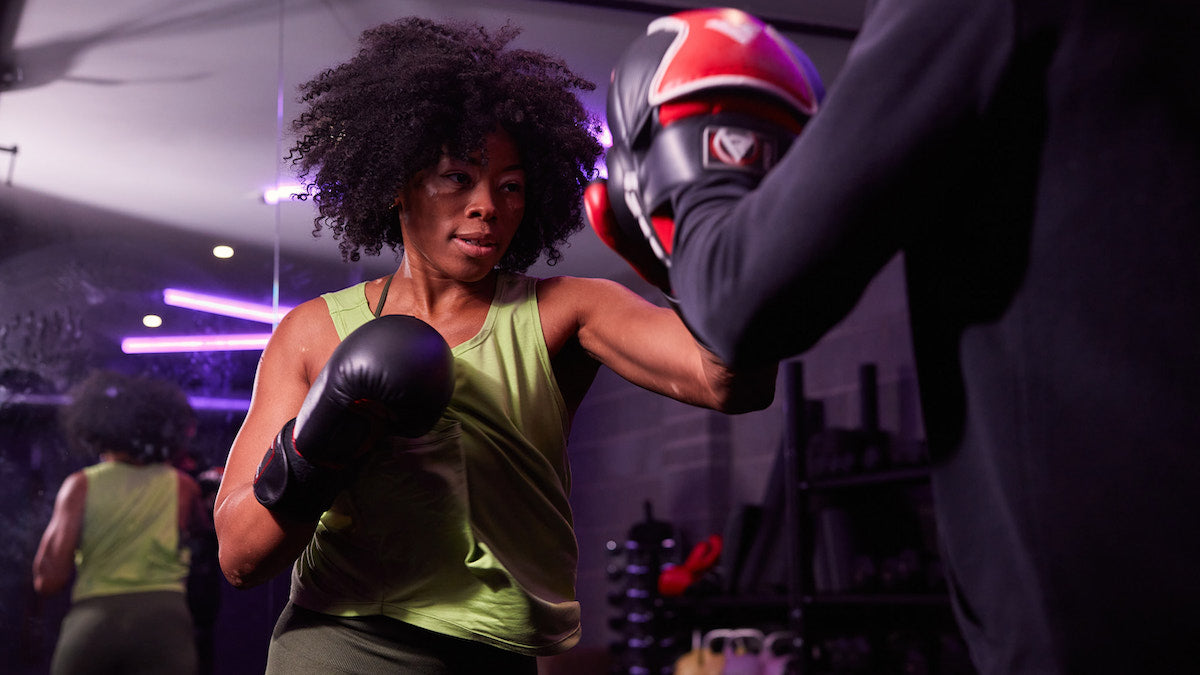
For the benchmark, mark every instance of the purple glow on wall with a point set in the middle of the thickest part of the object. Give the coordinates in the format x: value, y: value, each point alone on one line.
x: 605, y: 138
x: 214, y: 304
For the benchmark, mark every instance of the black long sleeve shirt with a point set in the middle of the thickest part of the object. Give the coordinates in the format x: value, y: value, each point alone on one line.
x: 1038, y: 166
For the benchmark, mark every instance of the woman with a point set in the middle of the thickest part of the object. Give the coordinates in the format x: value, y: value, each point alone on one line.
x: 119, y: 528
x: 452, y: 552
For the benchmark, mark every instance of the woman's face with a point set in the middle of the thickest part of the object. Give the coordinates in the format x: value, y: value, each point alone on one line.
x: 459, y: 216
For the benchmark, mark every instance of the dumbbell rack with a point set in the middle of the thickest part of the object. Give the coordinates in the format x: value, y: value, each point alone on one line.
x: 648, y: 643
x: 878, y: 604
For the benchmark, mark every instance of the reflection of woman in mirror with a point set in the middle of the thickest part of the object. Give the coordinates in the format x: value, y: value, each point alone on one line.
x: 119, y: 527
x: 440, y: 542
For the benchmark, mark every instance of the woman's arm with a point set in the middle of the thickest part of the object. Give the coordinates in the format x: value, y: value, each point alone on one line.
x: 649, y: 346
x: 55, y: 560
x: 255, y: 545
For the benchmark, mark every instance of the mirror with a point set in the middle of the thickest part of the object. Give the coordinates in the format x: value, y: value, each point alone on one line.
x: 137, y: 136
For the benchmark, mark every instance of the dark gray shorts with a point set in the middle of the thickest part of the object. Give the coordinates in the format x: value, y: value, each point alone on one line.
x: 132, y: 634
x: 305, y: 641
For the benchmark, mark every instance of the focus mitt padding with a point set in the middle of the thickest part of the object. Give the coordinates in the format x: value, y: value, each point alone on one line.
x: 703, y: 92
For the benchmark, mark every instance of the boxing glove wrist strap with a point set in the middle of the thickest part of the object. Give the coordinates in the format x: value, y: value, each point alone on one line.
x: 291, y: 486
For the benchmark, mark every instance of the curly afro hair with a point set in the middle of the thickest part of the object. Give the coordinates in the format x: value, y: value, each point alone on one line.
x: 419, y: 88
x: 111, y: 412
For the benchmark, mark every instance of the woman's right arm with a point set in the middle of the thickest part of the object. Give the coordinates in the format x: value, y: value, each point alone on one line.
x: 54, y: 563
x: 255, y: 544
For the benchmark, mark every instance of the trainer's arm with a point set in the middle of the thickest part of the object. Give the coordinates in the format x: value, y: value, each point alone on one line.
x: 761, y: 275
x: 649, y: 346
x: 254, y: 544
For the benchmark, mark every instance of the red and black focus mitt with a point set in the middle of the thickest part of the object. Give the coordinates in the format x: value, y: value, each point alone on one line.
x: 703, y: 91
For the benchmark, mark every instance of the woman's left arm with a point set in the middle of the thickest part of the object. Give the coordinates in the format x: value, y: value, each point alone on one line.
x: 649, y: 345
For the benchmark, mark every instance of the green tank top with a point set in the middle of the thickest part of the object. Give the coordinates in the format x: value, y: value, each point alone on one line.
x: 467, y: 530
x: 130, y: 537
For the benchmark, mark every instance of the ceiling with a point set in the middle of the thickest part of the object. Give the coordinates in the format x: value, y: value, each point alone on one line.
x: 159, y: 121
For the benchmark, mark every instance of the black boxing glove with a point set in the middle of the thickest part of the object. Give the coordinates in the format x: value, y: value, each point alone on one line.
x: 703, y: 91
x: 394, y: 375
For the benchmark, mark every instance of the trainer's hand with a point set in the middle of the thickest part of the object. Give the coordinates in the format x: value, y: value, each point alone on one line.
x: 394, y: 374
x: 703, y: 91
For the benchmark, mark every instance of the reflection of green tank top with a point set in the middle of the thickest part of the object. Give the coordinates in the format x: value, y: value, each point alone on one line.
x: 130, y: 537
x: 467, y: 530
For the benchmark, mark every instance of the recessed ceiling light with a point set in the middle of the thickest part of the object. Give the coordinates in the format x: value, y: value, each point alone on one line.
x: 223, y: 251
x: 152, y: 321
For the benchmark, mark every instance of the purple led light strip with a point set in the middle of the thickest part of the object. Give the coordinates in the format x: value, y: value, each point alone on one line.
x: 162, y: 344
x: 213, y: 304
x: 198, y: 402
x: 168, y: 344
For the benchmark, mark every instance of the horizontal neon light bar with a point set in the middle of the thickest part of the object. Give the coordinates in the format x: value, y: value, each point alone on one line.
x: 198, y: 402
x: 215, y: 304
x: 214, y: 403
x: 167, y: 344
